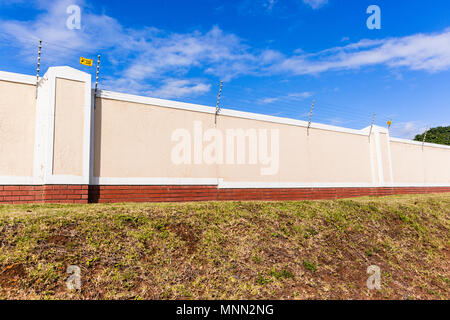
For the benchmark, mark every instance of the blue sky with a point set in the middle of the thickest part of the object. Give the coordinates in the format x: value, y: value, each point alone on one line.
x: 275, y: 56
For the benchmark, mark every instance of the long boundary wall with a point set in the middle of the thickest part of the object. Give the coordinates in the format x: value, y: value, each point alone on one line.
x: 67, y: 146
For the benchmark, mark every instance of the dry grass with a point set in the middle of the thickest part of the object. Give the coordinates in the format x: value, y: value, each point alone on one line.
x: 228, y: 250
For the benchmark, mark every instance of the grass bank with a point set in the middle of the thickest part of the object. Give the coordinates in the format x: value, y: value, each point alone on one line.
x: 229, y: 250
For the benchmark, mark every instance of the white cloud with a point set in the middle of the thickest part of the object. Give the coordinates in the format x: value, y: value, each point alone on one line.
x: 315, y: 4
x: 175, y: 88
x: 407, y: 130
x: 218, y: 53
x: 289, y: 97
x: 268, y: 100
x: 269, y: 4
x: 255, y: 7
x: 300, y: 95
x: 140, y: 54
x: 59, y: 41
x: 150, y: 55
x: 12, y: 2
x: 427, y: 52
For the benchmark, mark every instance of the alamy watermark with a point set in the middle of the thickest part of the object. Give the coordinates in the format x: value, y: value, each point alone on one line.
x: 232, y: 147
x: 74, y: 20
x: 374, y: 21
x: 74, y: 281
x: 374, y: 281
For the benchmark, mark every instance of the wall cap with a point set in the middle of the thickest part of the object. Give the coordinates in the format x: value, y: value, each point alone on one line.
x: 418, y: 143
x: 17, y: 77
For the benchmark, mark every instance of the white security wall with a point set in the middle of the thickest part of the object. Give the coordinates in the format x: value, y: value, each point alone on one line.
x: 59, y: 138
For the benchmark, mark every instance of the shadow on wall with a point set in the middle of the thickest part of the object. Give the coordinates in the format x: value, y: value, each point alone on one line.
x: 97, y: 136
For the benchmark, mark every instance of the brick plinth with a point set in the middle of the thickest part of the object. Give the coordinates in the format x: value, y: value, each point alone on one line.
x: 114, y: 194
x: 44, y: 194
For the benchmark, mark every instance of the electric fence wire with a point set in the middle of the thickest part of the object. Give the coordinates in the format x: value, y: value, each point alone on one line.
x: 242, y: 98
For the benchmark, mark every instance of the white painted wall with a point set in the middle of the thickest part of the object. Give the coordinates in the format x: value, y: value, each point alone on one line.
x: 127, y: 142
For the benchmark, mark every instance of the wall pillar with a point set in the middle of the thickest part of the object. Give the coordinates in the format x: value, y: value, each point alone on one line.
x: 380, y: 157
x: 63, y: 134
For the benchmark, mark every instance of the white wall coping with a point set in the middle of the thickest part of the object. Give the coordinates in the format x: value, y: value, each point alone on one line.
x: 291, y: 185
x: 418, y: 143
x: 19, y: 181
x: 224, y: 112
x: 296, y: 185
x: 17, y: 77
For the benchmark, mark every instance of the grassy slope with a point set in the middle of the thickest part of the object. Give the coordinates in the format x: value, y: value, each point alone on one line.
x: 232, y: 250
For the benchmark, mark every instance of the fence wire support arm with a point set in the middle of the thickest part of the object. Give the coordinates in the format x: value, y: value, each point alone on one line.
x: 371, y: 126
x: 96, y: 79
x: 310, y: 116
x: 218, y: 103
x: 38, y: 69
x: 425, y: 136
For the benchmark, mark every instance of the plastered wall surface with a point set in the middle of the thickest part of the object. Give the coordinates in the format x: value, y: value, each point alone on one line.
x: 134, y: 140
x: 320, y: 157
x: 414, y: 163
x: 17, y: 128
x: 143, y: 149
x: 68, y: 137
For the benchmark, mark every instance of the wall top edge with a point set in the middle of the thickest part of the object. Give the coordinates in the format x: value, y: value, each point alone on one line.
x: 68, y: 73
x: 418, y: 143
x: 295, y: 185
x: 17, y: 77
x: 224, y: 112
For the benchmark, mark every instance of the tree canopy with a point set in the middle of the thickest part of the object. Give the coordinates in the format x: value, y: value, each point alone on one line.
x: 439, y: 135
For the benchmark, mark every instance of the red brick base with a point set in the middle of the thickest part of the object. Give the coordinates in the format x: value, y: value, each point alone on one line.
x: 101, y: 194
x: 44, y: 194
x: 211, y: 193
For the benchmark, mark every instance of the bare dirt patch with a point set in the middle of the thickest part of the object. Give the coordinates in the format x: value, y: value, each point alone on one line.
x: 187, y: 234
x: 59, y: 240
x: 12, y: 274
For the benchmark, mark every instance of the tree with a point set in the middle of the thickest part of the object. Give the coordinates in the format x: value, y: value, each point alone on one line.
x: 439, y: 135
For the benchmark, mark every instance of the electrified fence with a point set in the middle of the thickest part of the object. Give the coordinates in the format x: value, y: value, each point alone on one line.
x: 270, y: 101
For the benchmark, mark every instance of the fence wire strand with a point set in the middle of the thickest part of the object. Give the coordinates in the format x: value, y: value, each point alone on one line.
x: 271, y: 101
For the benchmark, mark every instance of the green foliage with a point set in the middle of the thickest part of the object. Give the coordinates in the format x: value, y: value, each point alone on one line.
x: 439, y: 135
x: 311, y: 266
x: 283, y: 274
x: 262, y: 280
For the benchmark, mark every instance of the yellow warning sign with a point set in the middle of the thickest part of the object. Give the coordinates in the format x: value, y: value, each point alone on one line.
x: 86, y: 62
x: 389, y: 123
